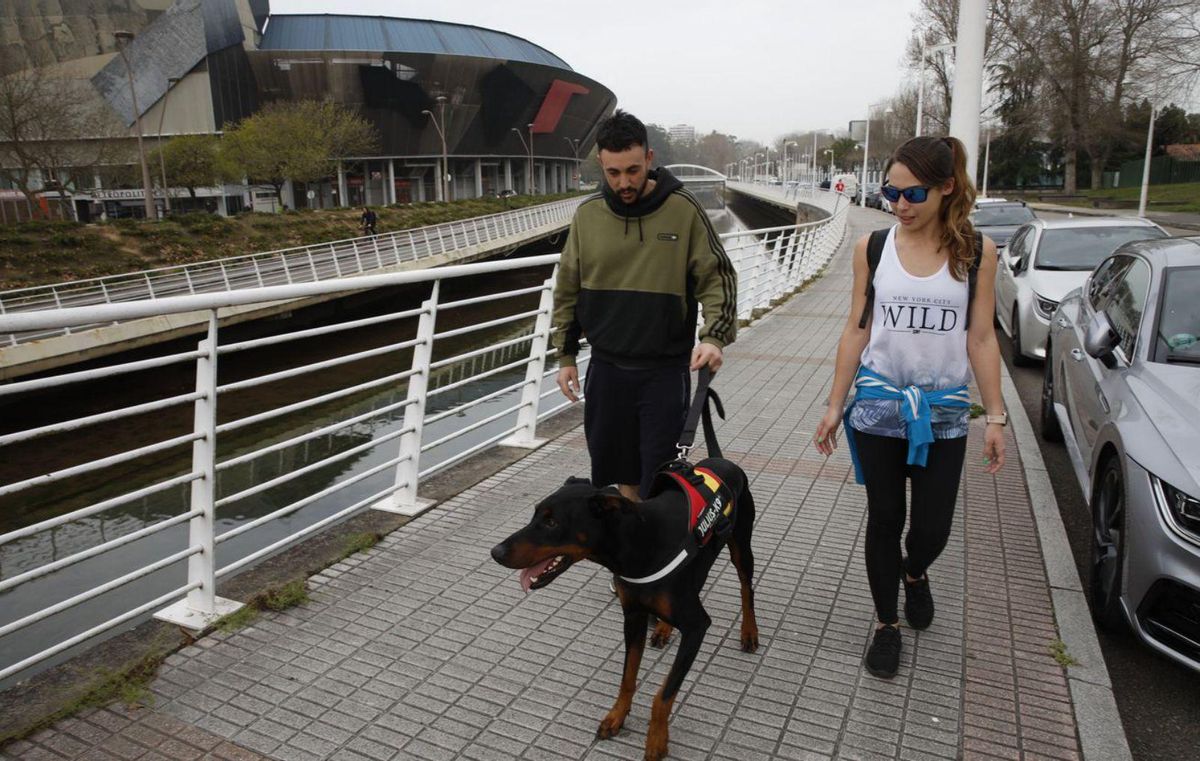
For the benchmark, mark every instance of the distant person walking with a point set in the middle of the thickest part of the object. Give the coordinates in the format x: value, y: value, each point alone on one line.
x: 920, y: 322
x: 368, y: 221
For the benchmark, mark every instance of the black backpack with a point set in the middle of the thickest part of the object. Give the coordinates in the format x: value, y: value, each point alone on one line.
x: 875, y: 253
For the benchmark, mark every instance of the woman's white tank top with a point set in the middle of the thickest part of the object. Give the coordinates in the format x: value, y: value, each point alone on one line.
x: 917, y: 327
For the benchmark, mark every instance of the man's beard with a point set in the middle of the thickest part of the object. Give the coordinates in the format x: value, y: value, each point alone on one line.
x: 637, y: 193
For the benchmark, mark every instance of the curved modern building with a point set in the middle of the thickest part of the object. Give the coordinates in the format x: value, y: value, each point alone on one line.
x: 514, y: 115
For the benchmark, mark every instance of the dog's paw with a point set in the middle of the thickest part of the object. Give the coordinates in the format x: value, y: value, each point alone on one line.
x: 610, y: 726
x: 749, y: 640
x: 656, y: 746
x: 661, y: 637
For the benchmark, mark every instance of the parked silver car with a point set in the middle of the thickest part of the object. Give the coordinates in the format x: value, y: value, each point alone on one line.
x: 999, y: 219
x: 1122, y: 388
x: 1044, y: 260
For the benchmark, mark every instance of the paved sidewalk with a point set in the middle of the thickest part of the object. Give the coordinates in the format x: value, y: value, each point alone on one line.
x: 423, y: 648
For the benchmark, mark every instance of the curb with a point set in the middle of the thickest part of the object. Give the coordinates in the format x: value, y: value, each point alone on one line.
x: 1101, y: 734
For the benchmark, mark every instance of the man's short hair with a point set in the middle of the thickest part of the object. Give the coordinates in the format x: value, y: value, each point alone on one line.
x: 620, y: 132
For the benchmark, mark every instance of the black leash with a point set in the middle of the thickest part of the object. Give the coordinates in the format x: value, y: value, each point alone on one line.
x: 697, y: 411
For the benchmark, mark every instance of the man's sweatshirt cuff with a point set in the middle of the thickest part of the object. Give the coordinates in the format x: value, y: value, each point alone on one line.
x: 566, y: 360
x: 714, y: 341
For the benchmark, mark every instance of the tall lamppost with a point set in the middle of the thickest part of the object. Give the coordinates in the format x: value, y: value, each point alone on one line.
x: 575, y: 149
x: 529, y: 165
x: 814, y: 158
x: 438, y: 124
x: 162, y: 165
x: 830, y: 152
x: 123, y: 39
x: 1146, y: 162
x: 921, y: 79
x: 862, y: 191
x: 786, y: 167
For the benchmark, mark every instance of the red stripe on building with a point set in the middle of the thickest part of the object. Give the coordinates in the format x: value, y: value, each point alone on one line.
x: 555, y: 104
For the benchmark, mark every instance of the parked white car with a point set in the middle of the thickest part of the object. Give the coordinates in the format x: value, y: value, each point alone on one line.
x: 1045, y: 260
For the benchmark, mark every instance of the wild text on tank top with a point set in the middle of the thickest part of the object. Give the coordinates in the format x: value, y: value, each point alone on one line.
x: 917, y: 328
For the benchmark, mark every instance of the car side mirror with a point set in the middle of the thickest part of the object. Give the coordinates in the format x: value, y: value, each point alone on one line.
x: 1101, y: 339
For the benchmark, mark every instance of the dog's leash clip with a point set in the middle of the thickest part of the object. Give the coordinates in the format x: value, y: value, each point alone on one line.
x: 683, y: 451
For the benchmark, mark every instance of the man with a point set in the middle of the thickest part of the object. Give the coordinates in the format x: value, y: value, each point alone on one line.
x: 638, y: 258
x: 368, y: 220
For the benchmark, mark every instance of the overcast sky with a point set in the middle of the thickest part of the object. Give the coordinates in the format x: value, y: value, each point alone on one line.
x: 756, y: 69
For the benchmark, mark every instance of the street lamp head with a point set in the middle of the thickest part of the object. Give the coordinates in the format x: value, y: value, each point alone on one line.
x: 427, y: 112
x: 441, y: 99
x: 123, y: 37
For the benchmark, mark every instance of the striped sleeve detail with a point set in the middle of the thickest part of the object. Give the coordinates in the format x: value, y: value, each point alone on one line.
x: 725, y: 326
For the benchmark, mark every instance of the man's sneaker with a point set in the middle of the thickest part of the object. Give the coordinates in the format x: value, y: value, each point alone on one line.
x: 612, y: 584
x: 883, y: 657
x: 918, y: 603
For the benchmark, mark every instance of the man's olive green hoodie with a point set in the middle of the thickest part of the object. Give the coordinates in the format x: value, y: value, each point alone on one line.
x: 631, y: 276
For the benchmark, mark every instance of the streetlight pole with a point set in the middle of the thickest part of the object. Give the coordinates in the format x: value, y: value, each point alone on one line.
x: 968, y: 78
x: 1146, y: 162
x: 862, y: 190
x: 814, y: 159
x: 575, y: 149
x: 987, y: 156
x: 921, y: 80
x: 830, y: 152
x: 437, y: 124
x: 786, y: 166
x: 162, y: 165
x: 123, y: 39
x: 529, y: 165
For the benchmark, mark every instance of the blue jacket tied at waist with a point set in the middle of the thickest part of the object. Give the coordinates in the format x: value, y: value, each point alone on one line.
x: 915, y: 406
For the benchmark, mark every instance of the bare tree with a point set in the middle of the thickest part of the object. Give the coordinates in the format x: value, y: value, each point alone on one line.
x: 49, y: 133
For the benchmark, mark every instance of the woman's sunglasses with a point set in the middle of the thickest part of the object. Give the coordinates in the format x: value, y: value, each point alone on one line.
x: 915, y: 194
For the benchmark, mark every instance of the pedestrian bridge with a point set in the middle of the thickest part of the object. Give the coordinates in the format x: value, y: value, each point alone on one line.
x: 708, y: 185
x: 421, y: 647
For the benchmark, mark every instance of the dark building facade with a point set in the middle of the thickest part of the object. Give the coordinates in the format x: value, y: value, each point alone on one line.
x: 514, y: 115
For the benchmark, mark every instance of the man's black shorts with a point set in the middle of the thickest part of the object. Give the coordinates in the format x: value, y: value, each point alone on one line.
x: 632, y: 418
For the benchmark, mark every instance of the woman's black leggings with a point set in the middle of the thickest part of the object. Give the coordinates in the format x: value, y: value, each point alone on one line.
x: 934, y: 492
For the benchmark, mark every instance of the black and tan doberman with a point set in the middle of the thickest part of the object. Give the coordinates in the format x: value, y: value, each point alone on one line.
x: 639, y: 543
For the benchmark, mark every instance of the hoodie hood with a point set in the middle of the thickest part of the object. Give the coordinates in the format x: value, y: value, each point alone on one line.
x: 665, y: 184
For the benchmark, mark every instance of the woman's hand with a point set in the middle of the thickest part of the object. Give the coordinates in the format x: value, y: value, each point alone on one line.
x: 826, y: 436
x: 993, y: 448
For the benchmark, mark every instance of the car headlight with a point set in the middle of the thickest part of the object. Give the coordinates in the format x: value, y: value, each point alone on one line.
x: 1182, y: 509
x: 1044, y: 306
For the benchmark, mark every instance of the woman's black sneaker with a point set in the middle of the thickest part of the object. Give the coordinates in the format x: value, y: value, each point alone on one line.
x: 883, y: 657
x: 918, y: 603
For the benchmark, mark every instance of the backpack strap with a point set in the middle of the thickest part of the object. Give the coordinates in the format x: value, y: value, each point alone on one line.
x: 874, y: 254
x: 972, y: 276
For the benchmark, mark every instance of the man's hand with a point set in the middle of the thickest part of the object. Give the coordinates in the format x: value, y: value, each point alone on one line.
x: 706, y: 354
x: 568, y: 382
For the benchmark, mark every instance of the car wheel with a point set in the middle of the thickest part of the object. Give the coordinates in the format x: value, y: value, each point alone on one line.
x: 1019, y: 358
x: 1051, y: 430
x: 1108, y: 547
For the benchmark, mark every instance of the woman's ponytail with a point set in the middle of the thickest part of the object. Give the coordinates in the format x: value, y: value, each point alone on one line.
x: 958, y: 234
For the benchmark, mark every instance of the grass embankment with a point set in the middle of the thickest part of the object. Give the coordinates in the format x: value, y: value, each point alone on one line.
x: 1184, y: 196
x: 43, y: 252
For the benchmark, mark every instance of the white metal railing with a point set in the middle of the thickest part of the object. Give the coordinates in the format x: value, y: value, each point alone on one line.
x: 770, y: 263
x: 302, y: 264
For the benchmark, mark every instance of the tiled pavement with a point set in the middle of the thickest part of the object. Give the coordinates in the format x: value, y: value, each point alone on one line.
x: 423, y: 648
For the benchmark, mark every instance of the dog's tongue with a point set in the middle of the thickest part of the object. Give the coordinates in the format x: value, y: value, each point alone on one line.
x: 530, y: 573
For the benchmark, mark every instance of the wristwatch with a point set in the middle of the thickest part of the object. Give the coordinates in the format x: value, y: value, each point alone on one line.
x: 1001, y: 419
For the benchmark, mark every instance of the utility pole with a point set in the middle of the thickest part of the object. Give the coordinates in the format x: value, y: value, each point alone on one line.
x: 123, y: 39
x: 968, y: 78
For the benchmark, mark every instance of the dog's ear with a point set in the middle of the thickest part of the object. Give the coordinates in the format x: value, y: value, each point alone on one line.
x: 573, y: 480
x: 606, y: 502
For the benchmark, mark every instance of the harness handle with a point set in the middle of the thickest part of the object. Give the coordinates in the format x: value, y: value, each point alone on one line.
x: 698, y: 409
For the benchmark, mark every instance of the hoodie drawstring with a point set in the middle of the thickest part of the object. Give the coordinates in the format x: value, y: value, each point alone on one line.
x: 640, y: 238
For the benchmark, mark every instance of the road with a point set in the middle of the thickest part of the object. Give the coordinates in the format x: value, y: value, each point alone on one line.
x: 1158, y: 699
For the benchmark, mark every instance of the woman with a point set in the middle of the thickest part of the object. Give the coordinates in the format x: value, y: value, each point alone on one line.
x: 910, y: 358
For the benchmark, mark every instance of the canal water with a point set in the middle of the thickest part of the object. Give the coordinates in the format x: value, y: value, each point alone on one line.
x: 23, y: 461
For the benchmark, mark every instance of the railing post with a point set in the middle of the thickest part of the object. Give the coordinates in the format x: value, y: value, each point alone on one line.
x: 526, y: 433
x: 404, y: 499
x: 202, y: 606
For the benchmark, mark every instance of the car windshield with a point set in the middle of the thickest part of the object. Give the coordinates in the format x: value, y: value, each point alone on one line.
x: 993, y: 215
x: 1179, y: 321
x: 1082, y: 248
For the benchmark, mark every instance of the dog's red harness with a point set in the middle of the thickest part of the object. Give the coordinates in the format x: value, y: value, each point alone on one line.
x: 711, y: 511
